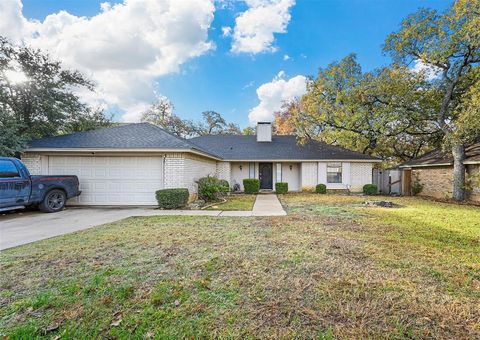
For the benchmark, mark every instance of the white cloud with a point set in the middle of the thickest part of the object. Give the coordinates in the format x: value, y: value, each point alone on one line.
x: 273, y: 94
x: 430, y: 72
x: 249, y: 84
x: 254, y: 29
x: 286, y: 57
x: 226, y: 31
x: 123, y: 48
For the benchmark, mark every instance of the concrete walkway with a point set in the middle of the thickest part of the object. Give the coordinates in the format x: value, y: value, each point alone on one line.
x: 267, y: 205
x: 21, y: 227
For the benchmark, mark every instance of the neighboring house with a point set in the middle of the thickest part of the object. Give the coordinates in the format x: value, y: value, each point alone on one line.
x: 434, y: 171
x: 125, y: 165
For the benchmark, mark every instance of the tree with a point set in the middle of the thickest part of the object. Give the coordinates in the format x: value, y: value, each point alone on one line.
x: 212, y: 123
x: 385, y: 113
x: 248, y: 131
x: 37, y: 97
x: 161, y: 113
x: 449, y: 43
x: 284, y: 123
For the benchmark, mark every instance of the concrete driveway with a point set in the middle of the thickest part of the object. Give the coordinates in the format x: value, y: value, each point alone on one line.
x: 18, y: 228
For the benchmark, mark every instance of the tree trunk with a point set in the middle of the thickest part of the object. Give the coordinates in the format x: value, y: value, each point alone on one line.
x: 458, y: 152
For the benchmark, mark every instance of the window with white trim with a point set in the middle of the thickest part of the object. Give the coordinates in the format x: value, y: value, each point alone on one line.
x: 279, y: 172
x: 334, y: 172
x: 251, y: 170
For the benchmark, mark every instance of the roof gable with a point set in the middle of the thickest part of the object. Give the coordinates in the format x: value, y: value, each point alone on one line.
x: 128, y: 136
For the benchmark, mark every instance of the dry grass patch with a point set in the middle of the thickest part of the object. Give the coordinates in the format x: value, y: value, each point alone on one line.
x: 332, y: 268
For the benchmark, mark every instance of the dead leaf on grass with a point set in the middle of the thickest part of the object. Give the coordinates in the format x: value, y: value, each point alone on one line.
x: 116, y: 323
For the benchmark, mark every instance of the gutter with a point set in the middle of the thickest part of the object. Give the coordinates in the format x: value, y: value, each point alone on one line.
x: 113, y: 150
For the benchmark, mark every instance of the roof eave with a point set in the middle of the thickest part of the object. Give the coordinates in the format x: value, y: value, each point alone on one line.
x: 122, y: 150
x: 305, y: 160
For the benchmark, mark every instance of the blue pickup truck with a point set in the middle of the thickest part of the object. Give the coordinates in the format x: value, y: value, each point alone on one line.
x: 19, y: 189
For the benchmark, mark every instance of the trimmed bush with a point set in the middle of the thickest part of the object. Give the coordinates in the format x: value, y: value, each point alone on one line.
x: 224, y: 183
x: 370, y: 189
x: 281, y: 187
x: 211, y: 188
x: 251, y: 185
x: 321, y: 189
x: 172, y: 198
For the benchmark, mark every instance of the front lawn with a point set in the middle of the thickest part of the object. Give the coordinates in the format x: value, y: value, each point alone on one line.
x: 236, y: 202
x: 330, y: 269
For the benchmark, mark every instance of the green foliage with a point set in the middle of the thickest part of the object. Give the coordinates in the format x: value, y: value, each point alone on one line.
x: 251, y: 185
x: 417, y: 186
x: 44, y: 103
x: 381, y: 113
x: 321, y: 189
x: 370, y: 189
x: 211, y: 188
x: 11, y: 142
x: 448, y: 44
x: 172, y: 198
x: 281, y: 187
x: 224, y: 183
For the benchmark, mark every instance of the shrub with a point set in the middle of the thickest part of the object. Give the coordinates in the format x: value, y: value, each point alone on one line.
x: 251, y: 185
x: 172, y: 198
x: 321, y: 189
x: 211, y: 188
x: 281, y: 187
x: 370, y: 189
x: 224, y: 183
x: 417, y: 186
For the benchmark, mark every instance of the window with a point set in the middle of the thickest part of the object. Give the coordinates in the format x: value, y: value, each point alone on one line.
x: 251, y: 170
x: 8, y: 169
x: 334, y: 172
x: 279, y: 172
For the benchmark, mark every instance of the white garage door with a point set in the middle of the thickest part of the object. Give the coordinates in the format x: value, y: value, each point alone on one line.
x: 112, y: 180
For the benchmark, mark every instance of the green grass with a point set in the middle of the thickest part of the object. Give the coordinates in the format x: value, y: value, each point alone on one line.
x: 330, y: 269
x: 236, y: 202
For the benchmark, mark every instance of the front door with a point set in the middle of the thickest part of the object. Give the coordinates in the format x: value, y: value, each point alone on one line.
x: 266, y: 178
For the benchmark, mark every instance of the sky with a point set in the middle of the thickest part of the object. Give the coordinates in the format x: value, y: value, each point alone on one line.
x: 239, y: 58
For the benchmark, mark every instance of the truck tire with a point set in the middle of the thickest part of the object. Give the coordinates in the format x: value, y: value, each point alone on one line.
x: 53, y: 201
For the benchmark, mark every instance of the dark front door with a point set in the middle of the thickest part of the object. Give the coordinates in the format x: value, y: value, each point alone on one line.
x: 266, y: 179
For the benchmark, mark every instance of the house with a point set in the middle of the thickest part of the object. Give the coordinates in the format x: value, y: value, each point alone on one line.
x: 434, y: 171
x: 125, y: 165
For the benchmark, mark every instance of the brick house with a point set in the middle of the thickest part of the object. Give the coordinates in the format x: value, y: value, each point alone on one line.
x: 434, y: 171
x: 125, y: 165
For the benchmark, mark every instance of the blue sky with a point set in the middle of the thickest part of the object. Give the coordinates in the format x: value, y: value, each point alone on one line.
x: 318, y: 33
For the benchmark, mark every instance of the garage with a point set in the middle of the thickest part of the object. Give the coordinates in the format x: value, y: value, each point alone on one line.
x: 112, y: 180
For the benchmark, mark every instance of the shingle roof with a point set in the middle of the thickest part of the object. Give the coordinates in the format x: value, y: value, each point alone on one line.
x: 229, y: 147
x: 128, y: 136
x: 240, y: 147
x: 439, y: 157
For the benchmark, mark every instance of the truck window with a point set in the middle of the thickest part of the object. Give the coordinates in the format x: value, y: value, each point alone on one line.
x: 8, y: 169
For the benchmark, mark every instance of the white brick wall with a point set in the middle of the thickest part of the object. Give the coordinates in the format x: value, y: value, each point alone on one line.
x: 174, y: 171
x: 223, y: 171
x: 33, y: 163
x: 196, y: 168
x: 360, y: 174
x: 354, y: 175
